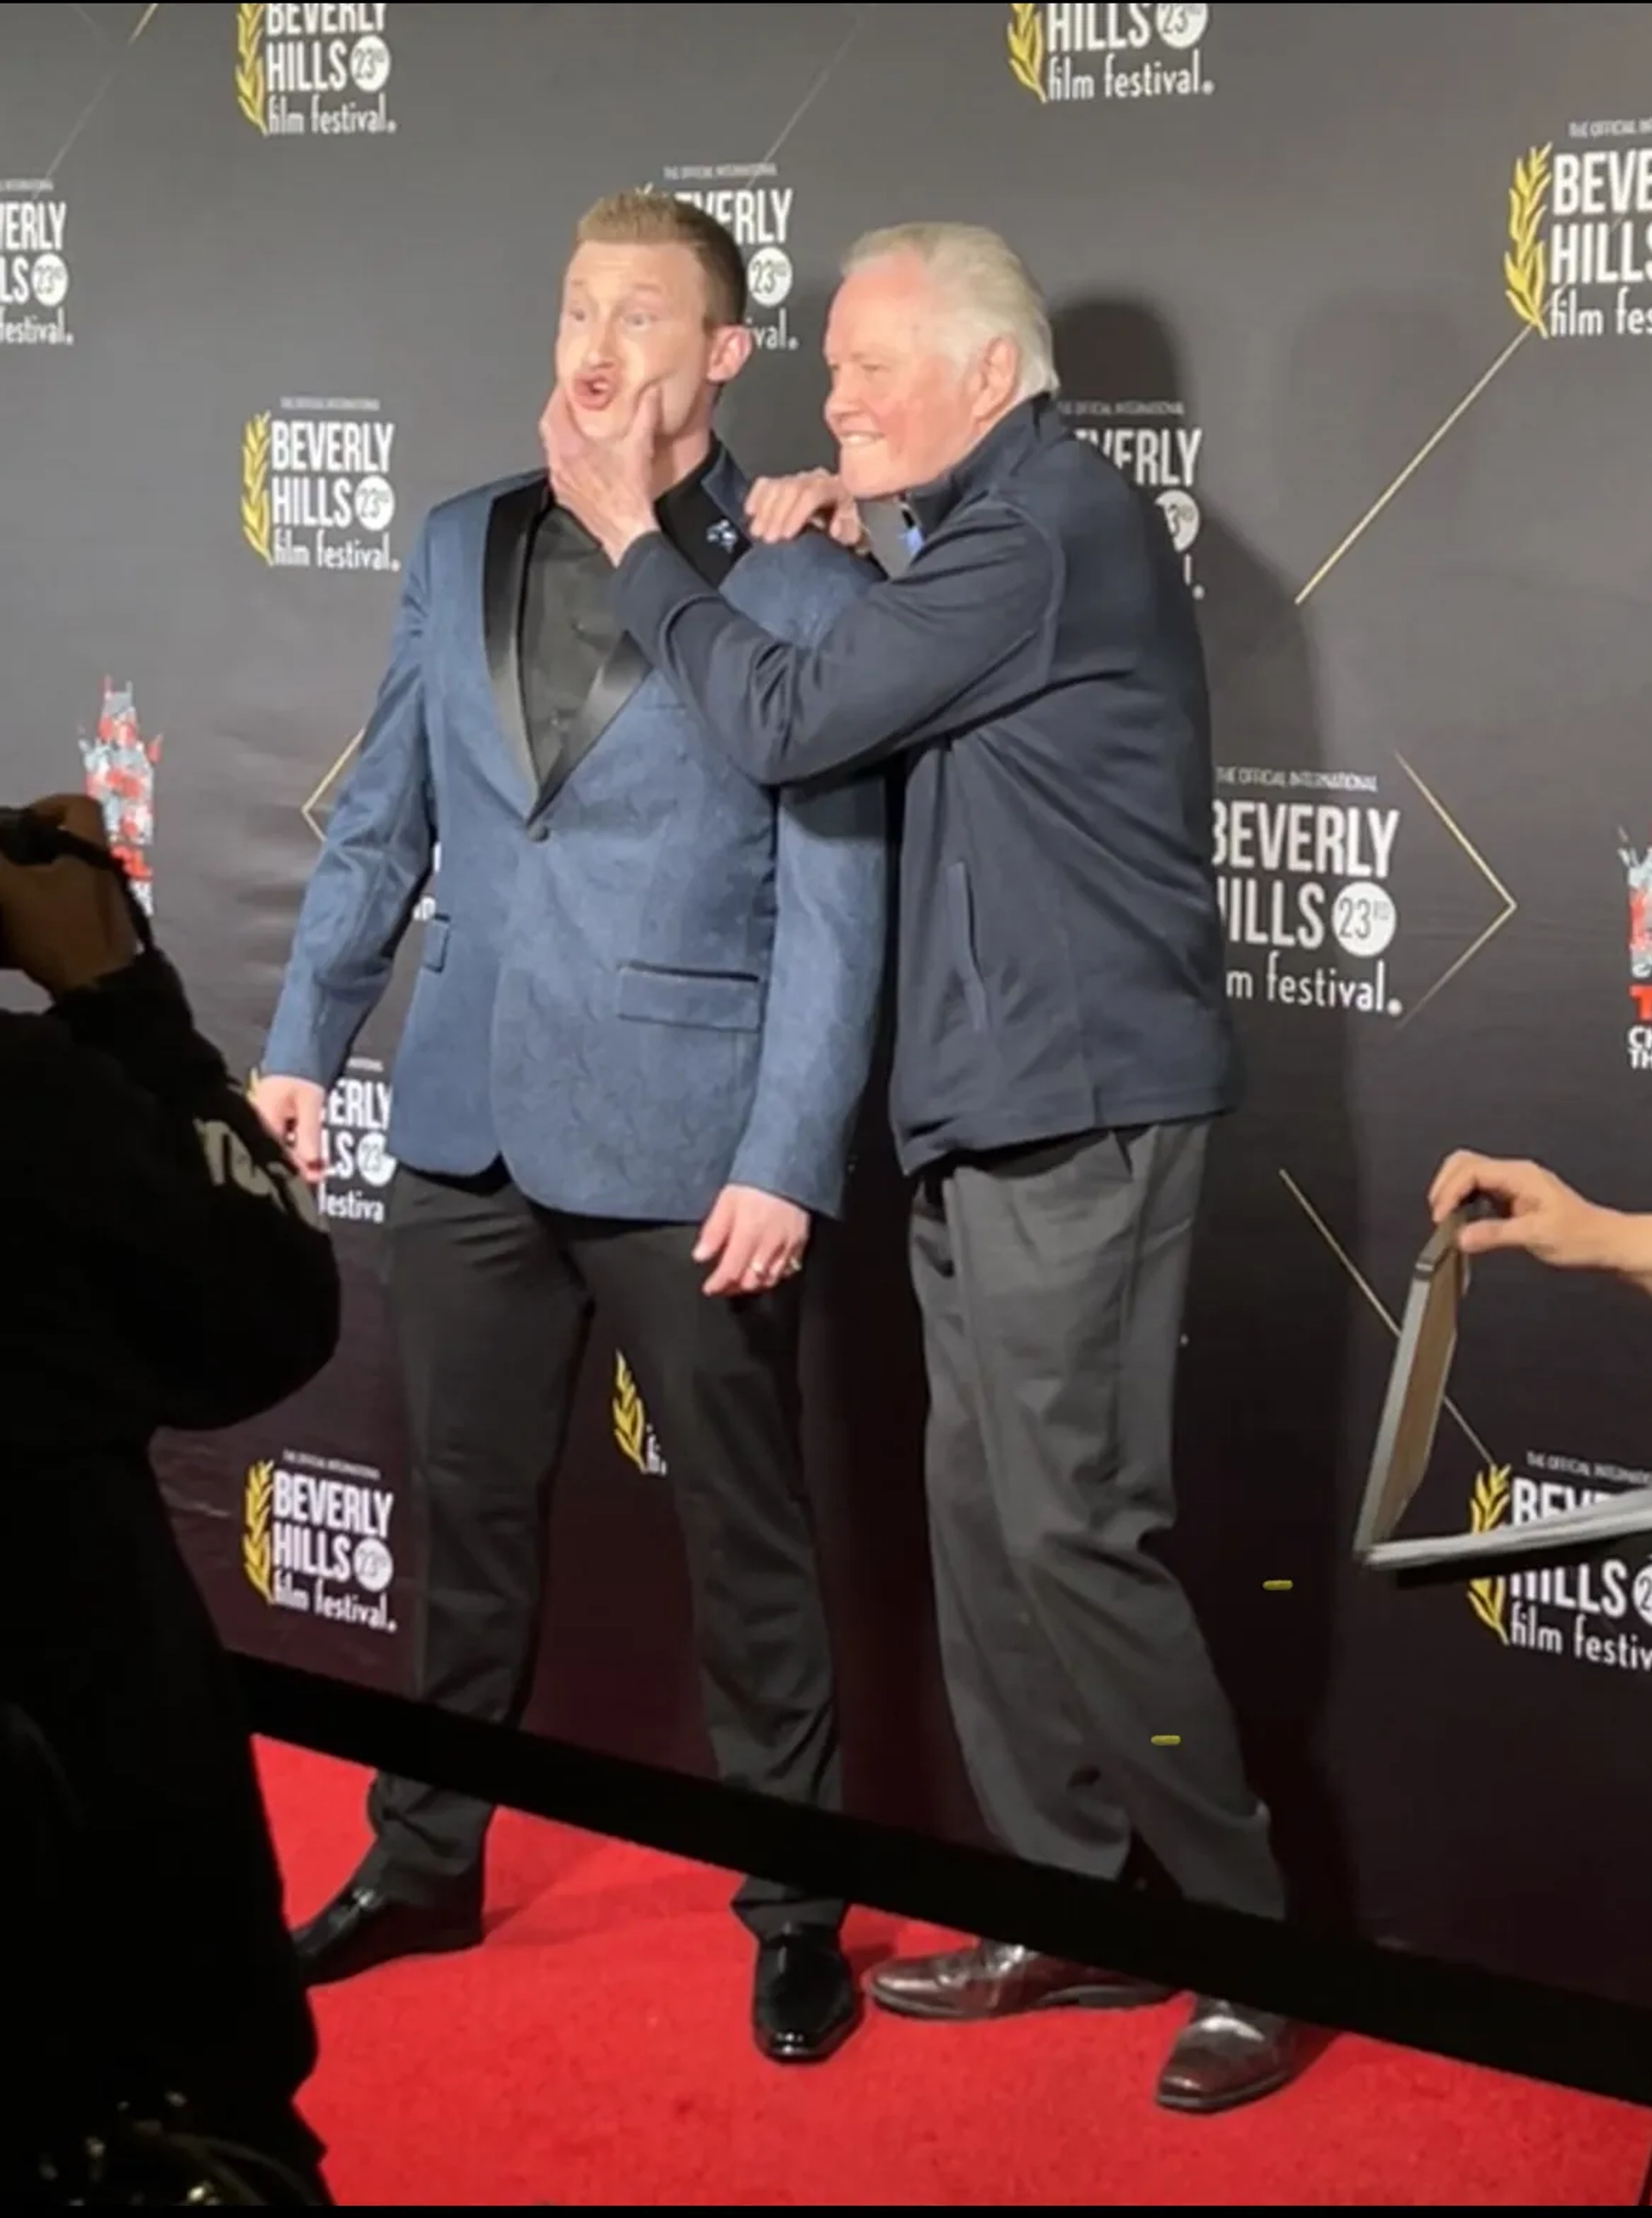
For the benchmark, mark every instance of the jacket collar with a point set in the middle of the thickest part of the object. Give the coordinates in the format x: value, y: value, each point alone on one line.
x: 1030, y: 424
x: 724, y: 481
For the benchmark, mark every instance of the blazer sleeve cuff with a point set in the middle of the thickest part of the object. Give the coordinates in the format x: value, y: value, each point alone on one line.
x: 819, y: 1190
x: 314, y: 1052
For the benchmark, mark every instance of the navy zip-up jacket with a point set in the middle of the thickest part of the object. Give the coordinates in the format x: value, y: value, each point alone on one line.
x: 1062, y: 960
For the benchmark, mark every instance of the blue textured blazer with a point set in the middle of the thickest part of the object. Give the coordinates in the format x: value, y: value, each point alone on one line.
x: 660, y: 978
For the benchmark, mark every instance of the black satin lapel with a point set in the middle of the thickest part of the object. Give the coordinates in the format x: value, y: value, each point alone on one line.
x: 702, y: 529
x: 620, y: 675
x: 510, y: 529
x: 611, y: 689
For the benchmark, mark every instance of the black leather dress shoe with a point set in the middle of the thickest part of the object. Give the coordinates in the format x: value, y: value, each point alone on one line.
x: 362, y: 1926
x: 995, y: 1979
x: 1225, y: 2056
x: 805, y: 2003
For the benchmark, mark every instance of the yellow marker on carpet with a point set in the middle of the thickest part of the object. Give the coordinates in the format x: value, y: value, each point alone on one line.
x: 1276, y: 1586
x: 1167, y: 1740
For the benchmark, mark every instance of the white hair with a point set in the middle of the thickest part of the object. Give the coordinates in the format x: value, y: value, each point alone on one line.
x: 990, y: 292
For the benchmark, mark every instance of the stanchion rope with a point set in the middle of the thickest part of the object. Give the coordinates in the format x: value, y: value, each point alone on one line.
x: 1490, y: 2018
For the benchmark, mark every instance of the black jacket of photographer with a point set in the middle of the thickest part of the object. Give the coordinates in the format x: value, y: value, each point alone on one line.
x: 163, y: 1267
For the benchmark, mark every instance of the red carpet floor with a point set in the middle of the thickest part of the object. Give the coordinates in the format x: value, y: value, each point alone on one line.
x: 595, y: 2051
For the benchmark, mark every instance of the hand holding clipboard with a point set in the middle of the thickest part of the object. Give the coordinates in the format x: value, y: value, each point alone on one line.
x: 1544, y: 1217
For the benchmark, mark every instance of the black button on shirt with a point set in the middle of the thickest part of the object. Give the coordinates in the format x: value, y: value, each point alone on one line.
x: 568, y: 625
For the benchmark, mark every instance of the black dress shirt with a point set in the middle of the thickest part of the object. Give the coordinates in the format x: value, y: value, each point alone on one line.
x: 569, y: 626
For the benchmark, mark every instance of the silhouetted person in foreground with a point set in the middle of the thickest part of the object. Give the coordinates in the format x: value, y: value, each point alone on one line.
x: 165, y: 1266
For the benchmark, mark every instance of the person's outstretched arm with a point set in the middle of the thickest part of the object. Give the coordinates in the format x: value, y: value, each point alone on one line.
x: 1543, y: 1217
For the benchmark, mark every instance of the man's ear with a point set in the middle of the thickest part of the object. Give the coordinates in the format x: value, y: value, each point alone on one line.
x: 999, y: 373
x: 730, y: 352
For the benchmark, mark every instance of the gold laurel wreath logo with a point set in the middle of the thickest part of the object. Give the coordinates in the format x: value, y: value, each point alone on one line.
x: 630, y: 1419
x: 251, y: 89
x: 257, y: 1549
x: 1025, y: 38
x: 254, y: 485
x: 1487, y: 1508
x: 1526, y: 262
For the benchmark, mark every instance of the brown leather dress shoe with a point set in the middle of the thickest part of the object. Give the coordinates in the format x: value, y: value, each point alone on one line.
x: 996, y: 1979
x: 1226, y: 2055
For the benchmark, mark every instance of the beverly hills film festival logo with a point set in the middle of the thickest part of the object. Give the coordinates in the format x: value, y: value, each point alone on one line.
x: 315, y: 1539
x: 1597, y: 1613
x: 1638, y: 882
x: 119, y: 765
x: 1302, y: 858
x: 1156, y: 448
x: 316, y: 492
x: 34, y: 263
x: 358, y: 1166
x: 1062, y: 52
x: 313, y: 73
x: 1577, y: 259
x: 750, y: 201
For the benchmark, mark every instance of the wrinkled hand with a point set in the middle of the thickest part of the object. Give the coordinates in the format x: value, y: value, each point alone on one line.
x: 756, y: 1240
x: 1545, y: 1218
x: 780, y: 508
x: 65, y: 924
x: 605, y: 483
x: 293, y: 1111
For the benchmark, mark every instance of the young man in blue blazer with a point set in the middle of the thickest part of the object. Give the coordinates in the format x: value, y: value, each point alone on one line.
x: 643, y: 1023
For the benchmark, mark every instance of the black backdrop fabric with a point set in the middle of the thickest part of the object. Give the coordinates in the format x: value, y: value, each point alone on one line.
x: 1363, y: 293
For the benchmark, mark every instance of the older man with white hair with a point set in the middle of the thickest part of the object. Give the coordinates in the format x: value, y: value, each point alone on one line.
x: 1063, y: 1044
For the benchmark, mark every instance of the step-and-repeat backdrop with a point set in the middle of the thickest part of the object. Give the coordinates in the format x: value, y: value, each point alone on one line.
x: 1364, y: 296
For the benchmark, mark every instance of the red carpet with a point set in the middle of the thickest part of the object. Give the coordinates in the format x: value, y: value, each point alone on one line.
x: 595, y: 2051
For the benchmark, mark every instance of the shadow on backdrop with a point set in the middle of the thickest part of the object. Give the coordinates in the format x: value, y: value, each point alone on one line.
x: 866, y: 1386
x: 771, y: 417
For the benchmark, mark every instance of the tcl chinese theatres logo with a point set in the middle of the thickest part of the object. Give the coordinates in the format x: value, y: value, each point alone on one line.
x: 119, y: 777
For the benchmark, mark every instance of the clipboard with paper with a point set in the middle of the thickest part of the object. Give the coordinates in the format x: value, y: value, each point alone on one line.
x: 1410, y: 1420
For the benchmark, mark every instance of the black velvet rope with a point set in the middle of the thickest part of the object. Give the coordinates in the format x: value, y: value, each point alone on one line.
x: 1507, y: 2025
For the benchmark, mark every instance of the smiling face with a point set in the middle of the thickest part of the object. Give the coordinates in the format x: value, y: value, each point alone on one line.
x: 907, y: 402
x: 635, y: 315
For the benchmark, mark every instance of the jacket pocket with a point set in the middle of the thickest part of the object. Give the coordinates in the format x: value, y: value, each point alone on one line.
x: 960, y: 918
x: 434, y: 951
x: 715, y: 1001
